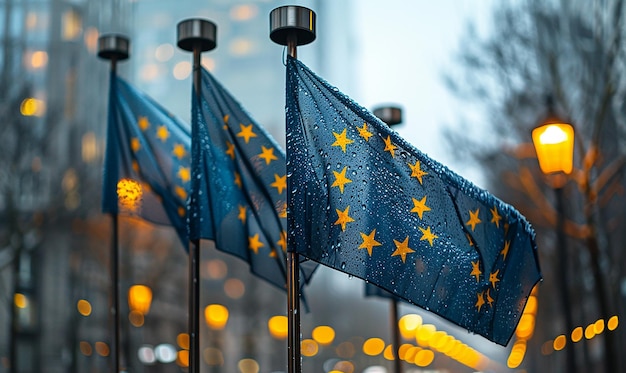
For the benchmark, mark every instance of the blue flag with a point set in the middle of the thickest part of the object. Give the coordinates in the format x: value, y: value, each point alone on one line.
x: 364, y: 201
x: 147, y: 163
x: 239, y: 184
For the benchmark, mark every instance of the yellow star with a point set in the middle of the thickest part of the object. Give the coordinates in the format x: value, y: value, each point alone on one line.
x: 242, y: 214
x: 364, y: 133
x: 427, y: 235
x: 469, y: 239
x: 389, y: 147
x: 282, y: 212
x: 473, y: 219
x: 341, y: 179
x: 238, y: 180
x: 254, y: 244
x: 179, y: 151
x: 480, y: 301
x: 162, y: 133
x: 135, y: 166
x: 493, y: 278
x: 184, y: 174
x: 181, y: 212
x: 402, y: 248
x: 283, y: 241
x: 416, y: 171
x: 226, y: 116
x: 181, y: 192
x: 420, y: 206
x: 507, y: 245
x: 369, y: 242
x: 489, y: 299
x: 495, y: 217
x: 230, y: 149
x: 343, y: 218
x: 341, y: 139
x: 267, y: 154
x: 135, y: 144
x: 246, y: 132
x: 476, y: 270
x: 280, y: 183
x: 143, y: 123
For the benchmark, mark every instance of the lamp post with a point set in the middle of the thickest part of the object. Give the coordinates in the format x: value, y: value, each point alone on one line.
x: 554, y: 144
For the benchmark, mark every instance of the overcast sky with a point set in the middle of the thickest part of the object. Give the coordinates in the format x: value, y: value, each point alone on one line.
x: 404, y: 49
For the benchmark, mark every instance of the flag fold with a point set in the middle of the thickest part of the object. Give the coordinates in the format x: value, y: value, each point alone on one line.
x: 147, y: 160
x: 364, y: 201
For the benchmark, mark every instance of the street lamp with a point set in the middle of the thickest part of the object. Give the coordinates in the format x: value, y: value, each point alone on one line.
x: 554, y: 144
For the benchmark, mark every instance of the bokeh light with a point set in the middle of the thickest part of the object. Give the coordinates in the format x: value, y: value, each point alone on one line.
x: 140, y: 298
x: 248, y: 366
x: 408, y: 324
x: 84, y: 307
x: 20, y: 300
x: 559, y: 343
x: 182, y: 339
x: 309, y: 347
x: 577, y: 334
x: 323, y: 335
x: 234, y: 288
x: 146, y: 355
x: 102, y: 349
x: 85, y: 348
x: 216, y: 316
x: 373, y: 346
x: 165, y: 353
x: 129, y: 194
x: 182, y: 70
x: 277, y: 326
x: 213, y: 356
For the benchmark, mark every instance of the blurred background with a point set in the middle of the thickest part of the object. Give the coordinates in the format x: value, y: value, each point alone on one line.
x: 473, y: 78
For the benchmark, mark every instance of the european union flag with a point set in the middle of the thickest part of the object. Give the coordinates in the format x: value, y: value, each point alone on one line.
x: 147, y: 162
x: 366, y: 202
x: 239, y: 184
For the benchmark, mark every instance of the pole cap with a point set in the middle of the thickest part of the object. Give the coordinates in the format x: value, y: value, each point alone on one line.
x: 196, y: 33
x: 391, y: 115
x: 291, y: 20
x: 113, y: 46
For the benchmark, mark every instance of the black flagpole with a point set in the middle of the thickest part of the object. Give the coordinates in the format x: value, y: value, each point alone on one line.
x: 114, y: 48
x: 392, y: 116
x: 195, y: 35
x: 292, y: 26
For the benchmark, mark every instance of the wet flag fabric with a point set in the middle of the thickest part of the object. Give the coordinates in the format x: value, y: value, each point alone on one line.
x: 364, y: 201
x: 239, y: 184
x: 147, y: 160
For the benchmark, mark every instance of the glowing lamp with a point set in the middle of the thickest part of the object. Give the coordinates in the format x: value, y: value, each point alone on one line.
x: 554, y: 144
x: 139, y: 299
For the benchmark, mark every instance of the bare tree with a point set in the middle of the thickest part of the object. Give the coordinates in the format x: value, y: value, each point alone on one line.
x: 572, y: 51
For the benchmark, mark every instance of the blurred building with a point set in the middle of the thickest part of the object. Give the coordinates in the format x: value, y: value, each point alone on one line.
x: 51, y: 110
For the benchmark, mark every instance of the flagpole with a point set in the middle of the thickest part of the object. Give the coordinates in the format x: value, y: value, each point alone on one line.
x: 392, y: 116
x: 292, y: 26
x: 195, y: 35
x: 114, y: 48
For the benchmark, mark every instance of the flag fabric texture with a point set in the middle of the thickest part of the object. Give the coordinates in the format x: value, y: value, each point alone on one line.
x: 239, y: 184
x: 364, y: 201
x: 147, y: 161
